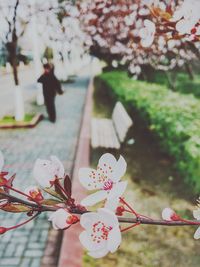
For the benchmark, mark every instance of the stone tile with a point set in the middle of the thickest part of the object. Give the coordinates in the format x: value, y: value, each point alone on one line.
x: 26, y: 262
x: 10, y: 261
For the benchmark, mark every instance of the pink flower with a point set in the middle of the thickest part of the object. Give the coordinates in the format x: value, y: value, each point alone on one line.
x: 46, y: 171
x: 102, y: 233
x: 196, y: 214
x: 62, y: 219
x: 147, y: 33
x: 106, y: 179
x: 34, y: 192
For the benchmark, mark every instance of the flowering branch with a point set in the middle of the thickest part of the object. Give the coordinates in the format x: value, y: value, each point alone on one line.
x: 103, y: 231
x: 76, y: 211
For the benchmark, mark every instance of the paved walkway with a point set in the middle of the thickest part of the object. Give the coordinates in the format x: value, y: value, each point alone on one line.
x: 25, y: 246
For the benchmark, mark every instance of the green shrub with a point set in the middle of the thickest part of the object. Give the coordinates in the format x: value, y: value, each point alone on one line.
x: 174, y: 118
x: 183, y: 83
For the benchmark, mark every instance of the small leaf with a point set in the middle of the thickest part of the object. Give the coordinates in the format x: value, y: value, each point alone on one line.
x: 1, y: 196
x: 53, y: 193
x: 50, y: 202
x: 10, y: 182
x: 159, y: 13
x: 59, y: 190
x: 3, y: 181
x: 68, y: 185
x: 14, y: 207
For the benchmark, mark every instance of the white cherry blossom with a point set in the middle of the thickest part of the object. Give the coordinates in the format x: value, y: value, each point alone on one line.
x: 168, y: 214
x: 102, y: 233
x: 147, y: 33
x: 187, y: 16
x: 106, y: 179
x: 61, y: 219
x: 196, y: 214
x: 46, y: 171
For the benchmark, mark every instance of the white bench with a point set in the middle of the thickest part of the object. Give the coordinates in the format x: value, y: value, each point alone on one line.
x: 110, y: 133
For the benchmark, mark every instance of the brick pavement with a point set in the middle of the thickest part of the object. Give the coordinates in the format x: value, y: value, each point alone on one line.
x: 25, y: 246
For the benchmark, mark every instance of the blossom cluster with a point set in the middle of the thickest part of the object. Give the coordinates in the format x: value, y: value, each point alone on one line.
x: 140, y: 33
x: 102, y: 230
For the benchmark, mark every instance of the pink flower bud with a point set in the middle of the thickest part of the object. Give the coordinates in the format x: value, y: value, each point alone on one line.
x: 169, y: 215
x: 34, y: 192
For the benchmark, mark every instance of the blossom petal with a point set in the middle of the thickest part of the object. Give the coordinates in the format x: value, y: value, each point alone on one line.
x: 117, y: 190
x: 147, y: 41
x: 196, y: 214
x: 87, y: 219
x: 1, y: 161
x: 167, y: 214
x: 99, y: 253
x: 60, y: 171
x: 111, y: 204
x: 88, y: 178
x: 42, y: 172
x: 119, y: 170
x: 150, y: 25
x: 59, y: 219
x: 94, y: 198
x: 197, y: 233
x: 87, y: 242
x: 108, y: 217
x: 114, y: 239
x: 109, y: 159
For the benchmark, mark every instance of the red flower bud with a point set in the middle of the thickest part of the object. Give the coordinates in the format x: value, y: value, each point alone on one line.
x: 3, y: 230
x: 72, y: 219
x: 193, y: 31
x: 175, y: 217
x: 120, y: 210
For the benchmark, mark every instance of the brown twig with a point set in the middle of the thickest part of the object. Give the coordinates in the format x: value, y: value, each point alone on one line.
x: 138, y: 220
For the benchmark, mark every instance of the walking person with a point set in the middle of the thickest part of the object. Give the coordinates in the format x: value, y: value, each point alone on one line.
x: 51, y: 86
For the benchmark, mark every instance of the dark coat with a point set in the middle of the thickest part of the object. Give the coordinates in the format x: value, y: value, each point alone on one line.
x: 51, y: 86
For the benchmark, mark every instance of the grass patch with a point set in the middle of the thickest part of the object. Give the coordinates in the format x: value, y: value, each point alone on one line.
x: 11, y: 119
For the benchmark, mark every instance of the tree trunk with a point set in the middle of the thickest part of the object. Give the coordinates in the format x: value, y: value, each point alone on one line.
x: 189, y: 71
x: 19, y: 102
x: 15, y: 69
x: 171, y: 80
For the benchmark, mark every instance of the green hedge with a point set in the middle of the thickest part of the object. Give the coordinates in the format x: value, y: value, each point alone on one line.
x: 182, y: 84
x: 173, y: 117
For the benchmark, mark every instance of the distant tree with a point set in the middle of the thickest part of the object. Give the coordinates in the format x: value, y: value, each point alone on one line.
x: 15, y: 18
x: 133, y: 34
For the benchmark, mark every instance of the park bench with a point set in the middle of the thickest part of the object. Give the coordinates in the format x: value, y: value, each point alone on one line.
x: 111, y: 133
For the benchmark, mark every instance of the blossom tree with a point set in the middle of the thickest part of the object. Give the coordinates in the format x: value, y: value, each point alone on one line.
x: 64, y: 35
x: 14, y: 20
x: 136, y: 34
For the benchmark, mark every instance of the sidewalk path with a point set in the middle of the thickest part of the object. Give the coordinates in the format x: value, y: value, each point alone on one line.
x: 25, y: 246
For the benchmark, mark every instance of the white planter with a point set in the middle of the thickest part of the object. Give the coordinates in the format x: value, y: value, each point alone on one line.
x: 19, y: 104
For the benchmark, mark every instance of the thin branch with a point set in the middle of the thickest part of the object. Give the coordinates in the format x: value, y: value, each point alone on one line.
x: 139, y: 220
x: 42, y: 208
